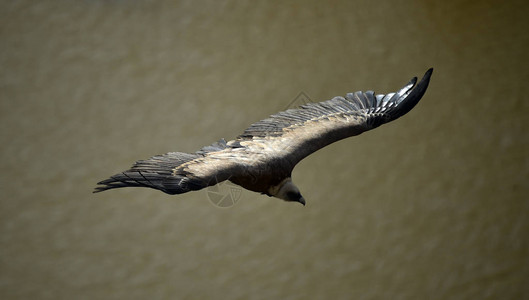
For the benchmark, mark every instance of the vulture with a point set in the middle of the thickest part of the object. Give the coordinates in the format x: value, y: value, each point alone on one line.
x: 262, y: 158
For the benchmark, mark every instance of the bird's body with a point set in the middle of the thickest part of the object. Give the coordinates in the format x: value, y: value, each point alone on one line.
x: 263, y: 157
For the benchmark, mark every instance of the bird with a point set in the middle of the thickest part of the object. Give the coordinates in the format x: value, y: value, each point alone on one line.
x: 262, y: 158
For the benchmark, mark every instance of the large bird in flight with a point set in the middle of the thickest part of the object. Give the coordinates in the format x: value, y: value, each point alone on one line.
x: 262, y: 158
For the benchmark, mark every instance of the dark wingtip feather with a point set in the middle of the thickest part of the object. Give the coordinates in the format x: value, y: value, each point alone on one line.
x: 108, y: 184
x: 130, y: 178
x: 412, y: 96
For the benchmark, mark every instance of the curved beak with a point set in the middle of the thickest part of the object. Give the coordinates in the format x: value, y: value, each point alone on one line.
x: 302, y: 201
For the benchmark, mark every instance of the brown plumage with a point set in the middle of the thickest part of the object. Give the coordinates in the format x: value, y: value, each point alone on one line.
x: 262, y: 158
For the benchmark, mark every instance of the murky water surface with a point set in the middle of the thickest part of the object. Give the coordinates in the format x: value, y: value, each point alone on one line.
x: 431, y: 206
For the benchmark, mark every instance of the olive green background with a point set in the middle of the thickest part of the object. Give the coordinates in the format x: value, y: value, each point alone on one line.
x: 431, y: 206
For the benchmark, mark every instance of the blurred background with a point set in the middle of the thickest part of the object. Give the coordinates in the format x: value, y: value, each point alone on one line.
x: 431, y: 206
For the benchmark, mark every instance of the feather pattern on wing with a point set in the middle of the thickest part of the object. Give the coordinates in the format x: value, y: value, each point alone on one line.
x: 175, y: 172
x: 264, y: 155
x: 296, y: 133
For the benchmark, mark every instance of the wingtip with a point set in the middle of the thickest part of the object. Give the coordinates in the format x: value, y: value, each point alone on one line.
x: 426, y: 79
x: 428, y: 74
x: 414, y: 95
x: 99, y: 188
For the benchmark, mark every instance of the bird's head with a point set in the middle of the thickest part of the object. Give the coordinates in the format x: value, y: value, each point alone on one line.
x: 287, y: 191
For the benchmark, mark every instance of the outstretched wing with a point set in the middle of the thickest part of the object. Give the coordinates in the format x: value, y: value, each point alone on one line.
x: 296, y: 133
x: 276, y: 144
x: 176, y: 172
